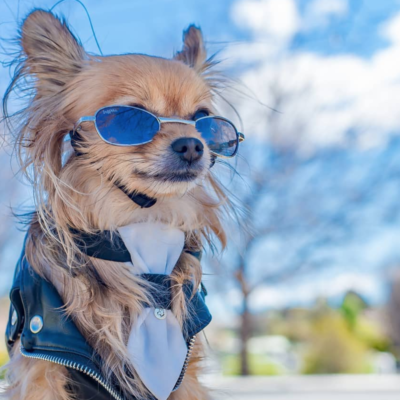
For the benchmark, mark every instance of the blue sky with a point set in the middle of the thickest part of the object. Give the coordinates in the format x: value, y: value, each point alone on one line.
x: 356, y: 30
x: 345, y: 51
x: 155, y: 27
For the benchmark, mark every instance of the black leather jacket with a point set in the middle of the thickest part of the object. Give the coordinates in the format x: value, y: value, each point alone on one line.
x: 59, y: 341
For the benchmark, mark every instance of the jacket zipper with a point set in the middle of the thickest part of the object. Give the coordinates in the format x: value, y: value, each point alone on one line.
x: 186, y: 363
x: 97, y: 377
x: 78, y: 367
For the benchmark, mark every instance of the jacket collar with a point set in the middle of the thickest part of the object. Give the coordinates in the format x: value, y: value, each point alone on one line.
x: 109, y: 246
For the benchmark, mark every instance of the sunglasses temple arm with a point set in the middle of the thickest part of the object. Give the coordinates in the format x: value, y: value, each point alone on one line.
x: 241, y: 137
x: 68, y: 138
x: 83, y: 119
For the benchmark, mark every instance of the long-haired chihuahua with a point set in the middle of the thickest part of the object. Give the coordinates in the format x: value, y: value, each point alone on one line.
x: 107, y: 298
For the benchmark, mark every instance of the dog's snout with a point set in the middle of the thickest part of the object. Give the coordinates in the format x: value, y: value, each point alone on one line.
x: 188, y: 149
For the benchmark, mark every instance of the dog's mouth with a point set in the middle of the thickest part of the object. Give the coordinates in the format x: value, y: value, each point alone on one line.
x: 173, y: 177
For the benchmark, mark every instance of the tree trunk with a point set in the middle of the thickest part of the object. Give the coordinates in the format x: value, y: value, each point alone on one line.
x: 245, y: 332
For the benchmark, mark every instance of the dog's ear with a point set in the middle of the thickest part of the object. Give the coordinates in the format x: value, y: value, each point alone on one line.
x: 52, y: 52
x: 193, y: 52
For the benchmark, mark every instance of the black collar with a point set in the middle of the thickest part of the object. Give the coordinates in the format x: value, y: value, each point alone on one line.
x: 141, y: 199
x: 108, y: 246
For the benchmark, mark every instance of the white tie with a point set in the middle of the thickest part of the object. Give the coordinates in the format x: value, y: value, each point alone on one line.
x: 156, y: 345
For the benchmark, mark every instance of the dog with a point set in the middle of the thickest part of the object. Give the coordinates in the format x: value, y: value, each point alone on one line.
x: 107, y: 297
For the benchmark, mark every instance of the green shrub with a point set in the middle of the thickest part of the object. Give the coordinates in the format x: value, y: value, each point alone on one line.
x: 3, y: 361
x: 259, y: 365
x: 333, y: 348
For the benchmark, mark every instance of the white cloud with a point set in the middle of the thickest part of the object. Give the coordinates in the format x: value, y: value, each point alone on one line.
x: 319, y: 11
x: 321, y: 97
x: 276, y: 18
x: 391, y: 30
x: 329, y: 7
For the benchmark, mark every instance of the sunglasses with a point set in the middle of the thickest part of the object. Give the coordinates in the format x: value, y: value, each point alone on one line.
x: 133, y: 126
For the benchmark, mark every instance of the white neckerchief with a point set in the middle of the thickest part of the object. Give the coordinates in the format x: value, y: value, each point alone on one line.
x: 156, y: 347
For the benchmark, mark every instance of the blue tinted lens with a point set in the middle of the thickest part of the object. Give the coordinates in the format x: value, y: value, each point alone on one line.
x: 221, y: 136
x: 126, y: 125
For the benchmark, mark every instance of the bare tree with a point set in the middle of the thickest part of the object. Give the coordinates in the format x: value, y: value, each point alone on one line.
x: 393, y: 317
x: 300, y: 208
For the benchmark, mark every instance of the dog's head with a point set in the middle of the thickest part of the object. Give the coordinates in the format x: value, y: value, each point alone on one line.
x: 68, y: 84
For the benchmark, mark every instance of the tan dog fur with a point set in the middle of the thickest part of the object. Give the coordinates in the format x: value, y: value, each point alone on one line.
x: 65, y: 83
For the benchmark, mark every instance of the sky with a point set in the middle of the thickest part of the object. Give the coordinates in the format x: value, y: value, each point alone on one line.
x: 339, y: 58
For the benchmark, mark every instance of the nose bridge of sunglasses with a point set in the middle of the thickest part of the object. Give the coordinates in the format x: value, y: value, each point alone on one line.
x: 177, y: 121
x: 180, y: 127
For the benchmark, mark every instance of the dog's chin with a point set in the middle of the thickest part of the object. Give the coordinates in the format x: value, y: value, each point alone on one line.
x: 174, y: 177
x: 171, y: 182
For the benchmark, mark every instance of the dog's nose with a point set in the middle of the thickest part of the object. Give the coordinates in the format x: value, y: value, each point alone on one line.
x: 189, y: 149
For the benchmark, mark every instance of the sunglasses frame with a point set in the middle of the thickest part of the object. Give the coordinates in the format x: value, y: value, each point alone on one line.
x: 161, y: 120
